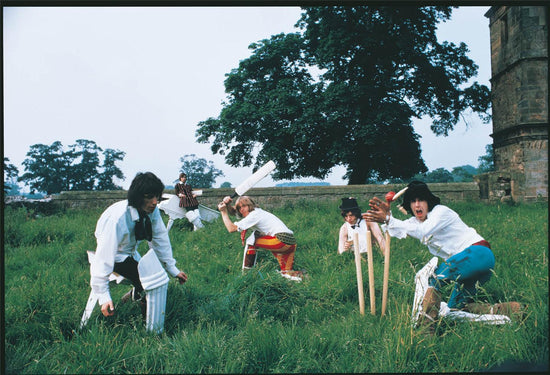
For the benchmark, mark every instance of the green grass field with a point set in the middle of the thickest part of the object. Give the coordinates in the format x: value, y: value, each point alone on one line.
x: 223, y: 321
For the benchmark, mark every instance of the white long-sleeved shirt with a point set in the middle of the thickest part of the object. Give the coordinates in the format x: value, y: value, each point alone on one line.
x: 443, y: 231
x: 347, y: 232
x: 116, y: 240
x: 261, y: 221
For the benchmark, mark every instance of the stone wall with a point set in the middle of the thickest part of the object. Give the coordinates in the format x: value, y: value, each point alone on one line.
x: 273, y: 197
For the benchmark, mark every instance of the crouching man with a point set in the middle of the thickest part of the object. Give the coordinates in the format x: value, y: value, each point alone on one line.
x: 468, y: 260
x: 119, y: 230
x: 269, y: 233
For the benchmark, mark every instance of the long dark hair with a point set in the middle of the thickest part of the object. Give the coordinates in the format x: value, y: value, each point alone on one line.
x: 419, y: 190
x: 354, y: 211
x: 144, y: 184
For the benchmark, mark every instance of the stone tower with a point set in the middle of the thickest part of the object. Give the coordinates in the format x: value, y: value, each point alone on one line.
x: 519, y: 80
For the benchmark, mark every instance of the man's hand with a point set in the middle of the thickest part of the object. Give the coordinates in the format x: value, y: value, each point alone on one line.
x: 347, y: 245
x: 108, y: 309
x: 182, y: 277
x: 378, y: 212
x: 222, y: 206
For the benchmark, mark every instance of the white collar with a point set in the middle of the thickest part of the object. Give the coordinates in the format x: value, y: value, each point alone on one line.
x: 134, y: 214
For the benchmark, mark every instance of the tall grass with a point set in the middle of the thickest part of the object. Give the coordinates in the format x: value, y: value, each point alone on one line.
x: 223, y: 321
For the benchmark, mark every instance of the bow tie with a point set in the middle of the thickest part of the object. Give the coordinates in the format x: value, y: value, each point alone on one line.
x: 144, y: 229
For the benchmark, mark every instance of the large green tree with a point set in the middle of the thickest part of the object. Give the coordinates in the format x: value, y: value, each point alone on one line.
x: 85, y: 164
x: 47, y: 168
x: 105, y: 180
x: 200, y: 172
x: 344, y: 91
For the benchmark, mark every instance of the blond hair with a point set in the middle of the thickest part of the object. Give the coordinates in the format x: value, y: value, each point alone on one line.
x: 244, y: 201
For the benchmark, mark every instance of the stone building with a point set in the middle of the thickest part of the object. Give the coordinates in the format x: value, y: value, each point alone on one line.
x: 519, y: 80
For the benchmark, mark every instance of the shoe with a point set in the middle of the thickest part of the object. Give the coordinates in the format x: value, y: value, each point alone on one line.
x: 430, y: 310
x: 510, y: 309
x: 292, y: 275
x: 127, y: 297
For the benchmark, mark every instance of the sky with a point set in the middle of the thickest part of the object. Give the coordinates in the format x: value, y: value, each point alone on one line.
x: 139, y: 80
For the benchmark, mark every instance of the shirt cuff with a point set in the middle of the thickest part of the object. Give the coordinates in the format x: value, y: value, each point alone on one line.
x: 104, y: 298
x: 173, y: 271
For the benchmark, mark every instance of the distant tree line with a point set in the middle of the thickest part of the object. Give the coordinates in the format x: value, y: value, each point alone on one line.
x: 51, y: 168
x: 85, y: 166
x: 464, y: 173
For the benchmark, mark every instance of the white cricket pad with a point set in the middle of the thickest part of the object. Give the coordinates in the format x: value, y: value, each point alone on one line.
x: 156, y: 309
x: 151, y: 273
x: 154, y: 280
x: 90, y: 305
x: 459, y: 315
x: 208, y: 214
x: 421, y: 280
x: 171, y: 206
x: 193, y: 215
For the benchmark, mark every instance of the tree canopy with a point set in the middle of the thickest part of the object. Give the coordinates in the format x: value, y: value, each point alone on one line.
x: 378, y: 68
x: 200, y: 172
x: 51, y: 169
x: 10, y: 176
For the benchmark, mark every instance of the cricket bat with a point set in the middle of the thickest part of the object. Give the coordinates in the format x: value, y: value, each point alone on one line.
x: 254, y: 179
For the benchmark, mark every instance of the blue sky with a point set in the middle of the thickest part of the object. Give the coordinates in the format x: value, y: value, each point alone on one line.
x: 140, y: 79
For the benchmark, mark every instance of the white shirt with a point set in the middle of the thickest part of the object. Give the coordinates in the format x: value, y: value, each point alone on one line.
x: 261, y: 221
x: 116, y: 241
x: 443, y: 231
x: 347, y: 232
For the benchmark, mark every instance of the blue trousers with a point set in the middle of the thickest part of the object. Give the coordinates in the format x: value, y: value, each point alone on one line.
x: 471, y: 266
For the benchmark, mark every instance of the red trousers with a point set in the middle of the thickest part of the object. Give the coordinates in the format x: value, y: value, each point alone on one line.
x: 282, y: 251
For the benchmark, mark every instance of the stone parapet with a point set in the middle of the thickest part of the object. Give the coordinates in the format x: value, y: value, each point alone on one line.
x: 273, y: 197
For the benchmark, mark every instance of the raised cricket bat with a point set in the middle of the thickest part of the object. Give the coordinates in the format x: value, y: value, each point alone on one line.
x: 254, y: 179
x: 399, y: 193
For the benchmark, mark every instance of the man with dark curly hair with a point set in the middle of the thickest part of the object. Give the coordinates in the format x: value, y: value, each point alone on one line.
x: 119, y: 230
x: 468, y: 260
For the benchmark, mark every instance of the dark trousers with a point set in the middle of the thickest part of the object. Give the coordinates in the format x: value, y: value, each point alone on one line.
x: 129, y: 269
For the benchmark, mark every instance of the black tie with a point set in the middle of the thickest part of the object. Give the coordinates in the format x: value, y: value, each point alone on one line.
x: 144, y: 229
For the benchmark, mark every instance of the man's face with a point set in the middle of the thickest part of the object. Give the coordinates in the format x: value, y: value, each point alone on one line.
x: 350, y: 218
x: 150, y: 202
x: 243, y: 209
x: 420, y: 209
